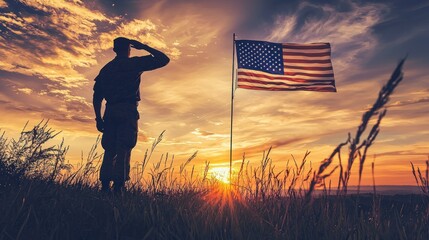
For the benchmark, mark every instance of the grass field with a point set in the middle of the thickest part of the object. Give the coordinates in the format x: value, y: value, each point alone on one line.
x: 46, y: 210
x: 42, y: 197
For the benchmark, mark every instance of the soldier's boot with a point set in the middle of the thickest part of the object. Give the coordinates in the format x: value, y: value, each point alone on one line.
x: 105, y: 186
x: 118, y: 187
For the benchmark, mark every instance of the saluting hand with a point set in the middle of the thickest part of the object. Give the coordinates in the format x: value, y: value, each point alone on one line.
x: 137, y: 45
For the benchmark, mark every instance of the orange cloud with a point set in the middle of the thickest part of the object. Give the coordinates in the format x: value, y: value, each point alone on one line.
x: 24, y: 90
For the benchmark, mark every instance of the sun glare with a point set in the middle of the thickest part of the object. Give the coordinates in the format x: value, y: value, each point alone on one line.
x: 220, y: 173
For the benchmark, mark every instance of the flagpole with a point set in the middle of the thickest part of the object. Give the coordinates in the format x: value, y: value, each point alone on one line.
x: 232, y: 107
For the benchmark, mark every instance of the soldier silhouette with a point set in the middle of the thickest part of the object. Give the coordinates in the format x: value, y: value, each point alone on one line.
x: 119, y: 84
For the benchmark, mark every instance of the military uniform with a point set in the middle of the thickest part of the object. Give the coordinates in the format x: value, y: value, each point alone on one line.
x: 119, y: 84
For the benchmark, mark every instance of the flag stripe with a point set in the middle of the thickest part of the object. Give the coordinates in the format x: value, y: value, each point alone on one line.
x: 309, y: 68
x: 305, y: 54
x: 307, y: 50
x: 268, y: 88
x: 294, y: 72
x: 291, y: 82
x: 283, y: 86
x: 307, y: 46
x: 309, y: 74
x: 306, y: 61
x: 306, y: 83
x: 244, y: 73
x: 307, y: 58
x: 308, y: 64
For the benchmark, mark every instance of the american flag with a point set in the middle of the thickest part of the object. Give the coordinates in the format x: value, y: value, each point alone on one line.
x: 284, y: 66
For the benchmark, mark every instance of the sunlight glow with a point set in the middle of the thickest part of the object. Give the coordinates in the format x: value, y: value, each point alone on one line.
x: 220, y: 173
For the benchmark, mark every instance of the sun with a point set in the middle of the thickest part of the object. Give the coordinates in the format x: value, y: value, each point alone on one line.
x: 220, y: 173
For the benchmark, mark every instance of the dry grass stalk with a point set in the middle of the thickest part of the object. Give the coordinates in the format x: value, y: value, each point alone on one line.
x: 422, y: 181
x: 358, y: 149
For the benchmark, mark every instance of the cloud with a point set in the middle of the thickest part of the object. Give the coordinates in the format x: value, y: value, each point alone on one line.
x: 203, y: 133
x: 44, y: 101
x: 142, y: 136
x: 258, y: 149
x: 349, y: 32
x: 197, y: 29
x: 409, y: 102
x: 72, y: 106
x: 143, y: 30
x: 403, y: 153
x: 24, y: 90
x: 51, y: 43
x: 209, y: 135
x: 64, y: 36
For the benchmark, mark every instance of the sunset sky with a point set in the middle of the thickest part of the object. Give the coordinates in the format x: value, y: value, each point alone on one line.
x: 51, y: 50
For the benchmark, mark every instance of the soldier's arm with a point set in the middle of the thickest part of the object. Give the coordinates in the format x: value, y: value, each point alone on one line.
x: 97, y: 100
x: 156, y: 59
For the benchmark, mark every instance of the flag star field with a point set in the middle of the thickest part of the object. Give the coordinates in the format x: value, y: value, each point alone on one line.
x: 259, y: 55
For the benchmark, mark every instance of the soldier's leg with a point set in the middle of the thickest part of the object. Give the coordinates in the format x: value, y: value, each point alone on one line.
x: 108, y: 143
x: 126, y: 140
x: 122, y: 169
x: 106, y: 170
